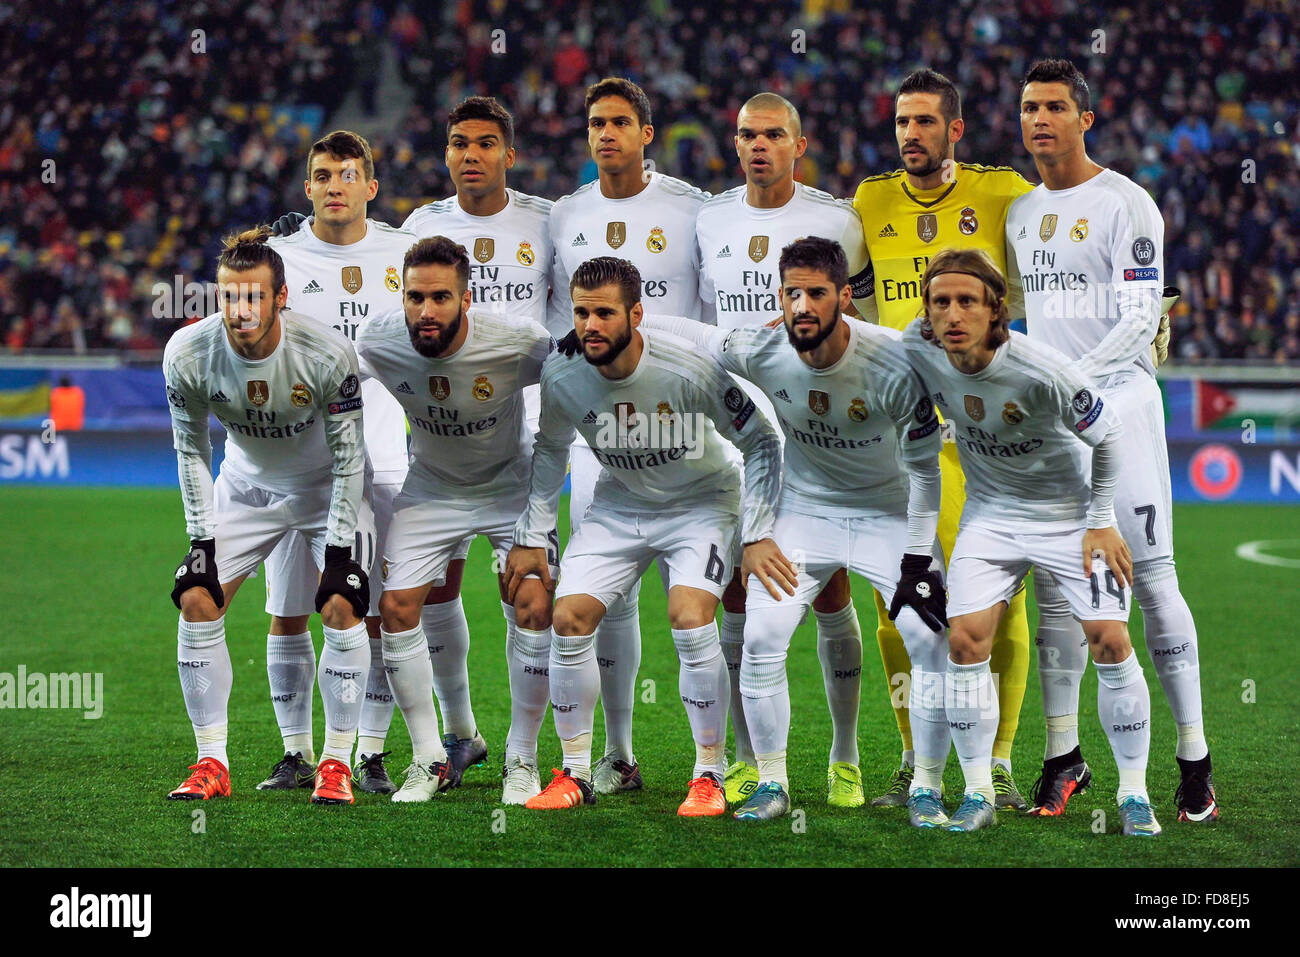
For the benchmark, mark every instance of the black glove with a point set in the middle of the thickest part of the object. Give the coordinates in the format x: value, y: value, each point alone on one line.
x: 288, y: 224
x: 569, y: 346
x: 199, y: 570
x: 922, y: 590
x: 343, y: 576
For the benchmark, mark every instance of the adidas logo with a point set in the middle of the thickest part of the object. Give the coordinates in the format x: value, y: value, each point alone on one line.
x: 1021, y: 234
x: 218, y: 396
x: 589, y: 418
x: 405, y: 388
x: 313, y: 286
x: 581, y: 240
x: 783, y: 395
x: 888, y: 232
x: 724, y: 253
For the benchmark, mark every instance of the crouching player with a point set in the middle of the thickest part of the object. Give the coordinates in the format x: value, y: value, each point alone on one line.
x: 853, y: 412
x: 459, y: 376
x: 287, y: 391
x: 1020, y: 409
x: 648, y: 405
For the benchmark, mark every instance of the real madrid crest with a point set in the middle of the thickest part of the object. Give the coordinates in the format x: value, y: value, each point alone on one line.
x: 439, y: 387
x: 975, y: 408
x: 858, y: 410
x: 1012, y: 415
x: 391, y: 280
x: 927, y: 226
x: 819, y: 401
x: 300, y: 396
x: 482, y: 388
x: 968, y: 223
x: 758, y: 248
x: 525, y: 255
x: 1079, y: 231
x: 665, y: 411
x: 657, y: 242
x: 1047, y: 228
x: 484, y: 247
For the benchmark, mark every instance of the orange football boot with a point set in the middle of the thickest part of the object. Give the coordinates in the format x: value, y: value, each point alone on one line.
x: 210, y: 779
x: 564, y: 791
x: 706, y: 798
x: 333, y: 783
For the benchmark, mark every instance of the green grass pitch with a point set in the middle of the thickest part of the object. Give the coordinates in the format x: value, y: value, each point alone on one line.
x: 86, y: 575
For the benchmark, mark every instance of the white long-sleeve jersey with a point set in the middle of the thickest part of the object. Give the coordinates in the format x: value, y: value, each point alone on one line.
x: 655, y: 434
x: 292, y: 420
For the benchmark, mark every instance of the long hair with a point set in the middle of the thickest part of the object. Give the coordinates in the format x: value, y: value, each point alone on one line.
x: 971, y: 262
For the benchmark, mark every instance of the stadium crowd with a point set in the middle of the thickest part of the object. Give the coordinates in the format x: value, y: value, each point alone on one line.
x: 158, y: 151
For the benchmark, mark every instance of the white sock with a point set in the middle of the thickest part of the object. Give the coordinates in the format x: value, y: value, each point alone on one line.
x: 1062, y: 659
x: 530, y: 688
x: 344, y: 663
x: 706, y: 692
x: 931, y: 735
x: 203, y: 663
x: 1124, y: 707
x: 447, y: 632
x: 732, y: 638
x: 839, y: 649
x: 575, y: 686
x: 291, y: 674
x: 971, y: 702
x: 618, y: 652
x: 377, y: 709
x: 406, y: 657
x: 771, y: 770
x: 1172, y: 644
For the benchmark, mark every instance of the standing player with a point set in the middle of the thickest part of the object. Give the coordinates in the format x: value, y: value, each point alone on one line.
x: 741, y: 234
x: 286, y: 389
x: 853, y: 412
x: 459, y: 375
x: 648, y: 219
x: 931, y: 203
x: 1029, y: 502
x: 341, y: 269
x: 1089, y: 244
x: 648, y: 404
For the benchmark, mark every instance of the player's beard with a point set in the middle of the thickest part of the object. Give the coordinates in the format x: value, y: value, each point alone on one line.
x: 435, y: 348
x: 808, y: 345
x: 933, y: 164
x: 616, y: 347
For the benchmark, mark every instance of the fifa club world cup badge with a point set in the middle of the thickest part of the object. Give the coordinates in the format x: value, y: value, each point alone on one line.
x: 391, y: 280
x: 1011, y: 415
x: 758, y: 246
x: 615, y: 234
x: 300, y: 396
x: 1079, y: 231
x: 927, y: 226
x: 975, y: 408
x: 352, y: 279
x: 439, y: 387
x: 858, y: 410
x: 1047, y: 228
x: 819, y: 402
x: 484, y: 247
x: 258, y: 391
x: 657, y: 242
x: 525, y: 255
x: 968, y: 223
x: 482, y: 389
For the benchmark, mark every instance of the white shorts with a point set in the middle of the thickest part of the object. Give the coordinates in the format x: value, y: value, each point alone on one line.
x: 611, y: 550
x: 251, y: 522
x: 1143, y: 499
x: 426, y: 535
x: 987, y: 567
x: 818, y: 546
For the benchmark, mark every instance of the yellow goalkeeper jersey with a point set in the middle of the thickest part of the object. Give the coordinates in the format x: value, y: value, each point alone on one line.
x: 904, y: 227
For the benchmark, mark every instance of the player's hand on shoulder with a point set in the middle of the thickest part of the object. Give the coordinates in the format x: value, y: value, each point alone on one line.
x: 568, y: 345
x: 342, y: 576
x: 764, y: 559
x: 288, y: 224
x: 199, y: 570
x: 920, y: 587
x: 1108, y: 545
x: 521, y: 562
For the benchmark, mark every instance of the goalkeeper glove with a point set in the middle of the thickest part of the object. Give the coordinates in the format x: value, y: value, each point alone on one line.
x: 1160, y: 345
x: 569, y: 346
x: 921, y: 589
x: 199, y: 570
x: 288, y: 224
x: 343, y: 576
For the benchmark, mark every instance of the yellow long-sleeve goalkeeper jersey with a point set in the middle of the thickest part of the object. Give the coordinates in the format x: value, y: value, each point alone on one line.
x: 904, y: 227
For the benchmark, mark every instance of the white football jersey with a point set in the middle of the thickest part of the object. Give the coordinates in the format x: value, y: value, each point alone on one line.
x: 344, y: 287
x: 1091, y: 263
x: 468, y: 439
x: 740, y: 249
x: 509, y: 252
x: 655, y: 434
x: 292, y: 419
x: 654, y: 230
x: 1020, y: 424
